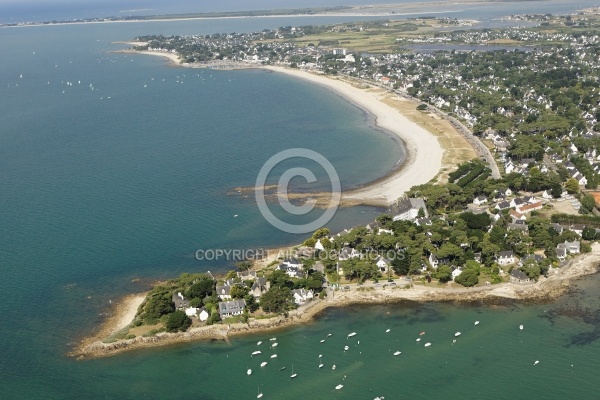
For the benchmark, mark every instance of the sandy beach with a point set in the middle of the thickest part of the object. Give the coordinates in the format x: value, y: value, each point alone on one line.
x: 423, y: 149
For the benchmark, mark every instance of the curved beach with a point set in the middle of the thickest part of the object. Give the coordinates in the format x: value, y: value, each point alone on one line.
x: 423, y: 151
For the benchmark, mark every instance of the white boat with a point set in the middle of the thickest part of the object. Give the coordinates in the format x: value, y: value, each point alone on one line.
x: 427, y: 344
x: 457, y: 334
x: 259, y: 394
x: 536, y: 362
x: 262, y: 364
x: 320, y: 355
x: 255, y: 353
x: 476, y: 322
x: 249, y: 372
x: 397, y: 353
x: 387, y: 330
x: 322, y: 340
x: 351, y: 334
x: 273, y: 339
x: 346, y: 348
x: 333, y: 366
x: 259, y: 343
x: 293, y: 375
x: 521, y: 327
x: 338, y: 387
x: 274, y: 344
x: 329, y: 334
x: 320, y: 365
x: 274, y: 356
x: 418, y: 339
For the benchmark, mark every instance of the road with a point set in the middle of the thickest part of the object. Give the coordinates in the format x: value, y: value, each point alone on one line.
x: 482, y: 150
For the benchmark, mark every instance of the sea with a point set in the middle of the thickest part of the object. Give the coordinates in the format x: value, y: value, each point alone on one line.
x: 116, y: 168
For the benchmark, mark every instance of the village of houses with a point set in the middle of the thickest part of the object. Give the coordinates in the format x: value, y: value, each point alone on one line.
x: 229, y: 307
x: 440, y: 84
x: 519, y: 208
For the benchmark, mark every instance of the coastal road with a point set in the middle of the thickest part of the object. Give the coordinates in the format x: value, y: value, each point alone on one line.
x: 482, y: 150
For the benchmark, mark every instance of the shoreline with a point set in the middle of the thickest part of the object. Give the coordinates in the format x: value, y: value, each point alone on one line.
x: 417, y: 166
x: 546, y: 289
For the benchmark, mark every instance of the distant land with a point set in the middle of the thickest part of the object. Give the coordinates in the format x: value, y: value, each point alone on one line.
x: 228, y: 14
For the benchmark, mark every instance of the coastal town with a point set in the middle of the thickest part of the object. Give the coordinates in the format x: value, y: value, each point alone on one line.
x: 514, y: 219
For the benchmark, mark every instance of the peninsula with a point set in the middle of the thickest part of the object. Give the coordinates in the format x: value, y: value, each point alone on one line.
x: 467, y: 233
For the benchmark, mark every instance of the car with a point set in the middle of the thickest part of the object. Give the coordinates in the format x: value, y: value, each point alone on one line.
x: 346, y: 287
x: 408, y: 279
x: 378, y: 284
x: 393, y: 284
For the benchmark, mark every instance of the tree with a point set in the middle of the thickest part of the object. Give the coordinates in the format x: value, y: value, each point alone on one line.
x: 205, y: 286
x: 588, y: 233
x: 238, y: 291
x: 572, y: 186
x: 532, y: 269
x: 213, y: 319
x: 476, y: 221
x: 277, y: 300
x: 556, y: 190
x: 251, y: 304
x: 469, y: 277
x: 444, y: 274
x: 243, y: 265
x: 178, y: 321
x: 588, y: 203
x: 156, y: 306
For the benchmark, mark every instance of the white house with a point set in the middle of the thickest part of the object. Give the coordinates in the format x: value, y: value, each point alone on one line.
x: 383, y: 264
x: 408, y: 209
x: 301, y: 296
x: 319, y: 245
x: 230, y: 308
x: 518, y: 276
x: 506, y: 258
x: 569, y: 247
x: 224, y: 292
x: 347, y: 253
x: 203, y: 315
x: 456, y: 272
x: 191, y: 311
x: 480, y: 200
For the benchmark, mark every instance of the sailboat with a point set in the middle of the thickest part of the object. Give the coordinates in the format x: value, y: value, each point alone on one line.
x: 259, y: 394
x: 333, y: 367
x: 293, y: 375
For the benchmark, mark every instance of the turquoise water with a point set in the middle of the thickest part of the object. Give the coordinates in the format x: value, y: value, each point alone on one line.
x: 97, y: 192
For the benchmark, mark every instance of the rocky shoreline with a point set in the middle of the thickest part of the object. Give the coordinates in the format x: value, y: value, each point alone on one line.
x: 546, y: 289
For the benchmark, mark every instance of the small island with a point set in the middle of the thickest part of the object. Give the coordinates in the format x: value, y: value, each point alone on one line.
x: 515, y: 216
